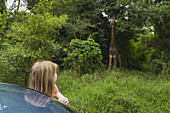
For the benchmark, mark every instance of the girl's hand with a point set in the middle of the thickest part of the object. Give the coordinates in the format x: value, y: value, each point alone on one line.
x: 63, y: 100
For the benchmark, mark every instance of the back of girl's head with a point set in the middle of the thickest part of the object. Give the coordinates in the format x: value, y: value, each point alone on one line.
x: 42, y: 77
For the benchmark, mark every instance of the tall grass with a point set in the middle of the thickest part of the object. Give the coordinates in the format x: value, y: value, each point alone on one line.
x: 126, y: 91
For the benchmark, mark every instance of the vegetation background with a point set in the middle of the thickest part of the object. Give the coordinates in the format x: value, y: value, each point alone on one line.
x: 76, y: 35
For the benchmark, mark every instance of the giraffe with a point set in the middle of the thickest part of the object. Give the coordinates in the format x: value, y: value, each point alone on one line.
x: 114, y: 50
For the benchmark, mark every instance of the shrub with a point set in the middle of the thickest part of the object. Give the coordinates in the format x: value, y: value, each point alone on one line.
x: 27, y: 41
x: 83, y: 56
x: 162, y: 64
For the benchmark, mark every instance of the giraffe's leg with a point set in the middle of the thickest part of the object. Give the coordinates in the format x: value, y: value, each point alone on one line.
x: 110, y: 62
x: 115, y: 63
x: 120, y: 63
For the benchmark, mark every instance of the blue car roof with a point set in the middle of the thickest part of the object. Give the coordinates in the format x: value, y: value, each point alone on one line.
x: 17, y: 99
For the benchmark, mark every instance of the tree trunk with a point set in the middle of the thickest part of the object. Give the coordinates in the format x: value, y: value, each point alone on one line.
x: 18, y: 5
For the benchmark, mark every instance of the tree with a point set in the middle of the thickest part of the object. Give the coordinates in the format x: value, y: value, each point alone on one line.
x: 28, y: 41
x: 150, y: 13
x: 2, y: 6
x: 81, y: 16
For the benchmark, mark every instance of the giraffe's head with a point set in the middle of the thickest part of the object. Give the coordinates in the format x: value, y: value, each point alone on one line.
x: 112, y: 20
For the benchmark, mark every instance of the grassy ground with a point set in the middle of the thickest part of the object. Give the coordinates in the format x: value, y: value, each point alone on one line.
x: 126, y: 91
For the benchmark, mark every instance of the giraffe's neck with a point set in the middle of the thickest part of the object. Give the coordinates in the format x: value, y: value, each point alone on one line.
x: 112, y: 37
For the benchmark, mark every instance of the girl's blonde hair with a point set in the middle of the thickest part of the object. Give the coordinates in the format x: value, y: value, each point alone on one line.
x: 42, y: 77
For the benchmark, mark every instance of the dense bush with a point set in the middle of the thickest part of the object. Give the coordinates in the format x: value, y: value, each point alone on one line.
x: 83, y: 56
x: 26, y: 41
x: 162, y: 64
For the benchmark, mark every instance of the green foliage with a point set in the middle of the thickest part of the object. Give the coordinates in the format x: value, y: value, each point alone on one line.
x: 3, y: 21
x: 139, y: 50
x: 2, y: 6
x: 85, y: 17
x: 27, y: 41
x: 150, y: 13
x: 126, y: 92
x: 162, y: 65
x: 39, y: 32
x: 3, y: 41
x: 32, y: 3
x: 43, y: 7
x: 84, y: 56
x: 82, y: 14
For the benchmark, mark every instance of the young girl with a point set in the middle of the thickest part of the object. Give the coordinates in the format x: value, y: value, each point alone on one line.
x: 43, y: 77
